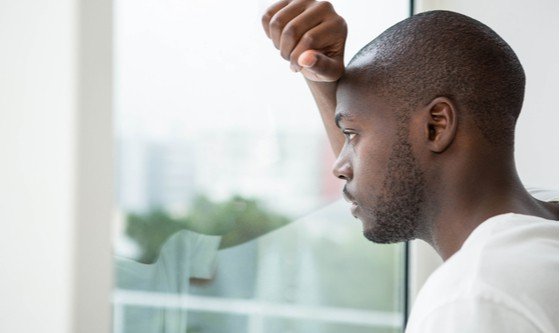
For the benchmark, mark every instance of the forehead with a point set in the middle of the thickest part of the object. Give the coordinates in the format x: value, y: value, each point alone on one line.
x: 356, y: 99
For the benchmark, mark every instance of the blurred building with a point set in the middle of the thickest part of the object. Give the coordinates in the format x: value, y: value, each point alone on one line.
x: 155, y: 175
x: 288, y: 171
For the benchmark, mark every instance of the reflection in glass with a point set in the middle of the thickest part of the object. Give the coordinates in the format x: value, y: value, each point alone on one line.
x: 316, y: 274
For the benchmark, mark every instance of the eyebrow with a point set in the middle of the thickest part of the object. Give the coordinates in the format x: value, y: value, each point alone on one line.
x: 339, y: 116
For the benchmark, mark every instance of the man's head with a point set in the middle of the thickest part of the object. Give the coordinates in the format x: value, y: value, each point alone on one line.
x: 406, y: 100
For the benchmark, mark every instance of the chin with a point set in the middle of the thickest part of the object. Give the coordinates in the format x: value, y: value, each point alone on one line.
x: 373, y: 237
x: 382, y: 233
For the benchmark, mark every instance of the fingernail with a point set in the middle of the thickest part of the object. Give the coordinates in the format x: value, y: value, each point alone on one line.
x: 307, y: 60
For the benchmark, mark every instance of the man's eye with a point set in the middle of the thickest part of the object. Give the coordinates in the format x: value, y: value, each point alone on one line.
x: 349, y: 135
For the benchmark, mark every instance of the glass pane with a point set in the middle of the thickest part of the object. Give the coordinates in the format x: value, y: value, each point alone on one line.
x: 229, y: 217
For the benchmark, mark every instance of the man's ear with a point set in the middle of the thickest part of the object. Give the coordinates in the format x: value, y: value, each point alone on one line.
x: 441, y: 124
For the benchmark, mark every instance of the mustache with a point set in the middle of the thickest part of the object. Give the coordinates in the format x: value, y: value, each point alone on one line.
x: 347, y: 195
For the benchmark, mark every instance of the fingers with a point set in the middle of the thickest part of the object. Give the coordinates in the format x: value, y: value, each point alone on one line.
x: 330, y: 35
x: 296, y: 28
x: 270, y: 12
x: 283, y: 17
x: 318, y: 67
x: 308, y: 58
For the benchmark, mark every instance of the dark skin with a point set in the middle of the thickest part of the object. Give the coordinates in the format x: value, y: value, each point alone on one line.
x: 450, y: 175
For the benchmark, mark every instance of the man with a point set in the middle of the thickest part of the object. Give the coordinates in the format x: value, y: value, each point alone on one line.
x: 422, y: 120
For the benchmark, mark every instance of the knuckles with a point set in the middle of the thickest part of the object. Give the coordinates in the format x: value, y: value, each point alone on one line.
x: 342, y: 23
x: 290, y: 31
x: 308, y: 39
x: 266, y: 18
x: 277, y: 22
x: 325, y: 5
x: 289, y: 39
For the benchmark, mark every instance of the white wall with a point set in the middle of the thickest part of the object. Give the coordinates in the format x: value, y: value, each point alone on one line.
x: 531, y: 29
x: 52, y: 165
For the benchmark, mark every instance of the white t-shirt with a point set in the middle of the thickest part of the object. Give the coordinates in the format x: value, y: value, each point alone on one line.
x: 503, y: 279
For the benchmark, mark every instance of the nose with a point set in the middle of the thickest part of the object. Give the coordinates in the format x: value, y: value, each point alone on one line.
x: 342, y: 168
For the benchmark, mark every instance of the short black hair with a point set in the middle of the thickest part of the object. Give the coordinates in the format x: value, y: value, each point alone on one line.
x: 443, y: 53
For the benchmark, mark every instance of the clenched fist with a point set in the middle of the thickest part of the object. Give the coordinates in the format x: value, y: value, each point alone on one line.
x: 309, y: 34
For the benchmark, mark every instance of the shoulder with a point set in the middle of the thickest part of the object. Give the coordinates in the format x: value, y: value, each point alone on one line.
x: 509, y: 252
x: 510, y: 262
x: 512, y: 245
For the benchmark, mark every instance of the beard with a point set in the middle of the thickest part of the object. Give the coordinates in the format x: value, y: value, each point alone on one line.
x: 398, y: 215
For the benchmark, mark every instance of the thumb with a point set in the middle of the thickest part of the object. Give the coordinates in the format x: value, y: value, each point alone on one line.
x: 320, y: 67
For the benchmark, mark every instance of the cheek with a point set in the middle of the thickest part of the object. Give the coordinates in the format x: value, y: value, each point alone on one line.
x: 370, y: 166
x: 417, y: 136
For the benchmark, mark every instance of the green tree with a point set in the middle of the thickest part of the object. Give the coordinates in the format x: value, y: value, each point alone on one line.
x: 237, y: 220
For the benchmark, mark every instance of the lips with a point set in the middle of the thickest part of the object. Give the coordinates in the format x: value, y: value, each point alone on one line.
x: 353, y: 209
x: 348, y: 197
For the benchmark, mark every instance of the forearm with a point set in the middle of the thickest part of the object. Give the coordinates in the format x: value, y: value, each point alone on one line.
x: 312, y: 36
x: 324, y: 94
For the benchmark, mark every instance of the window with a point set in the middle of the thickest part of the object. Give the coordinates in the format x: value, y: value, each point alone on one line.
x: 229, y: 217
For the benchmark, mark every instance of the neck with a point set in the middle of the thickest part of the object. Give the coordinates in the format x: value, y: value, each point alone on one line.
x: 472, y: 192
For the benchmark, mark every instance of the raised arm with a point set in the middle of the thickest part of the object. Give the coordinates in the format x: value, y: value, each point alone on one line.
x: 311, y: 36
